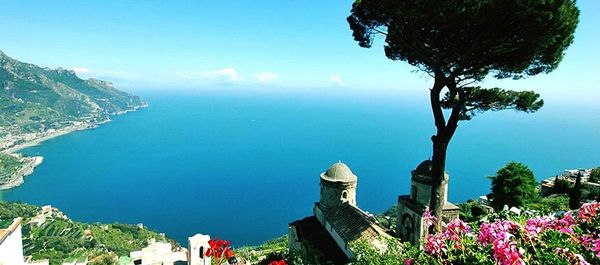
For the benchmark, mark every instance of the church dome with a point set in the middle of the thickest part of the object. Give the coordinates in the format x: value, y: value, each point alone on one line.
x: 339, y: 172
x: 424, y: 169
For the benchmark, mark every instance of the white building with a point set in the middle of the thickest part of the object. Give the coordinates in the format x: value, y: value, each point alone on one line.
x: 11, y: 244
x: 158, y: 253
x: 198, y: 244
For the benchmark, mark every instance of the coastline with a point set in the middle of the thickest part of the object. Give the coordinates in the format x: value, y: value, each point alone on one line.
x: 66, y: 130
x: 18, y: 178
x: 38, y: 141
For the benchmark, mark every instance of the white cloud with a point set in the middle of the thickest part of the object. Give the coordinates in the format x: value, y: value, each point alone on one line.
x: 266, y: 77
x: 336, y: 79
x: 84, y: 72
x: 81, y: 70
x: 228, y: 74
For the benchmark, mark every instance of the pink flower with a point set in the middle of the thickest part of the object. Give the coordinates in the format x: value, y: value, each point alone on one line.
x: 536, y: 226
x: 455, y: 229
x: 596, y: 247
x: 428, y: 218
x: 587, y: 241
x: 507, y: 253
x: 568, y: 217
x: 434, y: 244
x: 485, y: 234
x: 563, y: 226
x: 489, y: 233
x: 408, y: 261
x: 588, y: 211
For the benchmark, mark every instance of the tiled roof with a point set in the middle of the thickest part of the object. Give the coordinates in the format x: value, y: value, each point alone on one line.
x: 310, y: 231
x: 353, y: 224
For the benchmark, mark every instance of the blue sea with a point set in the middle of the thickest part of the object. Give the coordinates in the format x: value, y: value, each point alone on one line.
x: 241, y: 165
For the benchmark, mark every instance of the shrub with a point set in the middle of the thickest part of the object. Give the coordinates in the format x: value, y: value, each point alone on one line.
x: 595, y: 175
x: 513, y: 185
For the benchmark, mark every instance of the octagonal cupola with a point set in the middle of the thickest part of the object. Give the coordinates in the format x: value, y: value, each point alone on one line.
x: 338, y: 186
x: 421, y: 183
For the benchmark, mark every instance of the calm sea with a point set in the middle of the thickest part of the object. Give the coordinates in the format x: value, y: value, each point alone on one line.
x: 241, y: 166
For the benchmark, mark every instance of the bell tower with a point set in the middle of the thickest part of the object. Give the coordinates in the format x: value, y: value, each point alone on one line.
x: 411, y: 226
x: 338, y: 186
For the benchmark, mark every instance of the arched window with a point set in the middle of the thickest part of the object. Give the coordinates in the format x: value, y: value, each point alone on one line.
x: 345, y: 195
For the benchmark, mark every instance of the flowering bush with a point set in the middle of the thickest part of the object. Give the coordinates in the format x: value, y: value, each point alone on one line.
x: 221, y: 252
x: 573, y: 238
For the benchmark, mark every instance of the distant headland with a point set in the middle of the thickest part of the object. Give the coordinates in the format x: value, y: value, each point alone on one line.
x: 37, y: 104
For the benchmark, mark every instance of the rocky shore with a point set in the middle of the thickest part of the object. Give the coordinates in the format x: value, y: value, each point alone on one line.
x: 17, y: 178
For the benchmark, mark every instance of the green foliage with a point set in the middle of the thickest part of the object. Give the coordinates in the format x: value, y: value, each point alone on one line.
x: 60, y: 239
x: 389, y: 218
x: 590, y: 193
x: 9, y: 165
x: 11, y: 210
x: 562, y: 186
x: 575, y: 194
x: 473, y: 100
x: 550, y: 204
x: 367, y: 254
x: 595, y: 175
x: 34, y: 99
x: 106, y: 259
x: 513, y: 185
x: 447, y: 35
x: 272, y: 249
x: 471, y: 211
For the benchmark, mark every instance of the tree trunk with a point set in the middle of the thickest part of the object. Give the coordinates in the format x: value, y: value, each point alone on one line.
x: 440, y: 146
x: 438, y: 177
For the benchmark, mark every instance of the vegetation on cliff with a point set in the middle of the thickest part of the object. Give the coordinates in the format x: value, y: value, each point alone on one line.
x: 9, y: 165
x: 51, y: 235
x: 35, y: 99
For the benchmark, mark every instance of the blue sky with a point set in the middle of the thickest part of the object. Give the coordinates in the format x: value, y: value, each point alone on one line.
x: 287, y: 44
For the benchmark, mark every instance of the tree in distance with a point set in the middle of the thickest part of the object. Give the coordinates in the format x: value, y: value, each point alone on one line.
x: 513, y: 185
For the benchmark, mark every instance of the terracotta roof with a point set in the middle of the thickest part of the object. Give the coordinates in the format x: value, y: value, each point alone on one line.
x: 352, y: 224
x: 311, y: 232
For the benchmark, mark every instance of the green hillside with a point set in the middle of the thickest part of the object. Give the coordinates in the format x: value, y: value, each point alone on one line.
x: 59, y: 238
x: 34, y: 99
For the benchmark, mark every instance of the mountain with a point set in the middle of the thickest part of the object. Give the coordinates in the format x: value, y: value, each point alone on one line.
x: 35, y: 99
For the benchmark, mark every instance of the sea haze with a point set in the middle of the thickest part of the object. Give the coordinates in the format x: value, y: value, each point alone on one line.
x: 241, y: 166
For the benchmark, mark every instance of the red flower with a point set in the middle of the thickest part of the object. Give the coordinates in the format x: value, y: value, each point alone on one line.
x: 229, y: 253
x: 220, y: 250
x: 281, y: 262
x: 209, y: 252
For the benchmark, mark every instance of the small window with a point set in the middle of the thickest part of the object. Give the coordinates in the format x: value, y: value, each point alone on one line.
x: 345, y: 195
x: 201, y: 254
